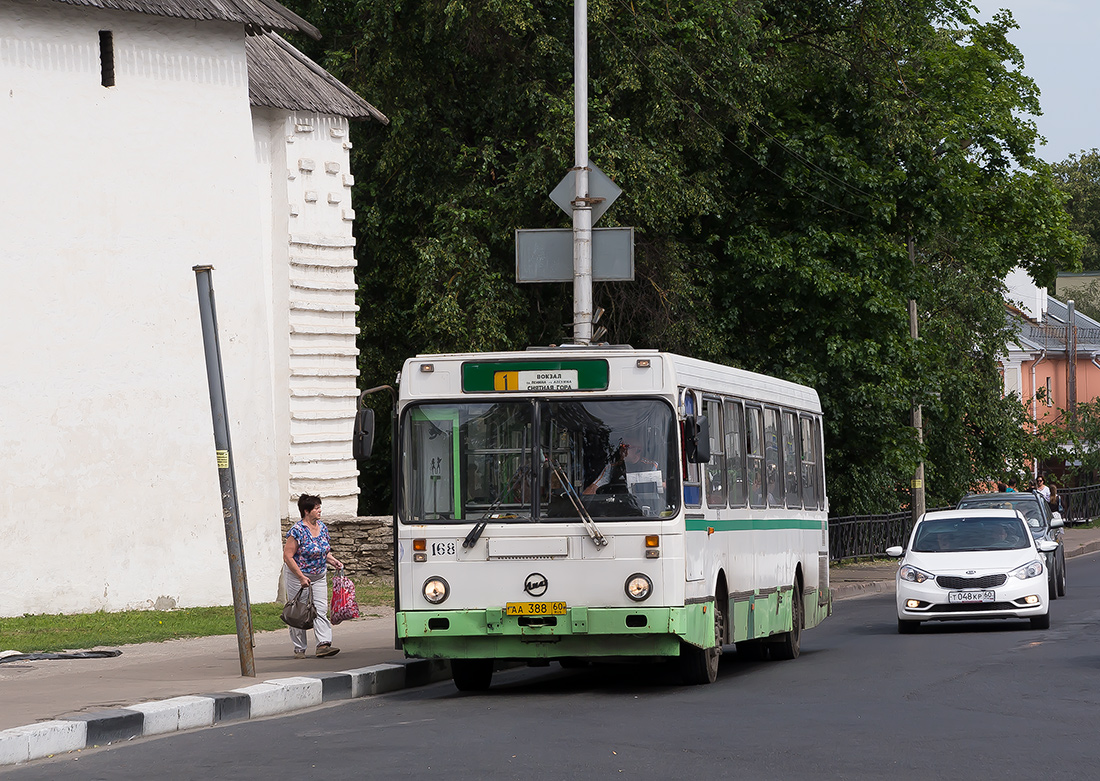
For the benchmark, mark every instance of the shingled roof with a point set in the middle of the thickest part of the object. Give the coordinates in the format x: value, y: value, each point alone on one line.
x: 280, y: 76
x: 256, y: 15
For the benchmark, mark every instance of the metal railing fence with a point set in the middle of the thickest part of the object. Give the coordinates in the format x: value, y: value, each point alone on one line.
x: 1080, y: 505
x: 856, y: 536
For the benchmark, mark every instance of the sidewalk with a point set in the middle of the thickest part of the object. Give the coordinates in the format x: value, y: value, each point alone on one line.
x: 53, y: 706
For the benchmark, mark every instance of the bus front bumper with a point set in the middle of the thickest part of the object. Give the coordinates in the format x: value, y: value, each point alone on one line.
x: 581, y: 632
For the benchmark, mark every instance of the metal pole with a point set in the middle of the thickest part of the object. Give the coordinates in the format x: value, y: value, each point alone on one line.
x: 582, y: 209
x: 918, y: 477
x: 1071, y: 354
x: 230, y: 515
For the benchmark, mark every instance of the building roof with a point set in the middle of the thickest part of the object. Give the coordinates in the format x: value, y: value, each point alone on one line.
x: 1052, y: 333
x: 256, y: 15
x: 280, y: 76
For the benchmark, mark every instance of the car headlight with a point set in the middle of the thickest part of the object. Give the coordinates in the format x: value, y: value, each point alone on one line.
x: 436, y: 590
x: 914, y: 575
x: 638, y: 587
x: 1032, y: 569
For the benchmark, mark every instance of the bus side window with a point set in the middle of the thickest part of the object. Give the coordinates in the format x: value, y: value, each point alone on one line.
x: 809, y: 468
x: 819, y: 472
x: 791, y: 466
x: 735, y: 453
x: 716, y: 467
x: 772, y: 457
x: 754, y: 451
x: 693, y: 493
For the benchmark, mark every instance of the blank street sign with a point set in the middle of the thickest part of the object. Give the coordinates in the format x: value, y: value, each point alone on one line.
x: 599, y: 186
x: 546, y: 255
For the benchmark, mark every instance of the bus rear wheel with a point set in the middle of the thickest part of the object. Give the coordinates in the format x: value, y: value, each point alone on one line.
x: 472, y: 675
x: 700, y: 665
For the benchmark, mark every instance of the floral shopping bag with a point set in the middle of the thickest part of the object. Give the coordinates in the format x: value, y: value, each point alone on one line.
x: 344, y: 606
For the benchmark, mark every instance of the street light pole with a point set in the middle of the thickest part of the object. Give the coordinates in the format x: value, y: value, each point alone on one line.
x: 918, y: 477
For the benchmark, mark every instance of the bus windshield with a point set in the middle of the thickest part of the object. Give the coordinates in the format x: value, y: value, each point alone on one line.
x: 530, y: 460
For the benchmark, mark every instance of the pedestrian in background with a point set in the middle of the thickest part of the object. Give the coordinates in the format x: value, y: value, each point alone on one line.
x: 1041, y: 487
x: 1012, y: 485
x: 306, y: 555
x: 1055, y: 500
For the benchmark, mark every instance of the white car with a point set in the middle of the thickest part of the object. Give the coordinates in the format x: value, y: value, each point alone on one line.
x: 969, y: 565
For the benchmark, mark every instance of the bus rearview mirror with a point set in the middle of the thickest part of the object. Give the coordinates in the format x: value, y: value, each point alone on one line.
x: 362, y: 441
x: 698, y: 440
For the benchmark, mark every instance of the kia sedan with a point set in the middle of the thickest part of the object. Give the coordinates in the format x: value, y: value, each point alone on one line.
x: 967, y: 565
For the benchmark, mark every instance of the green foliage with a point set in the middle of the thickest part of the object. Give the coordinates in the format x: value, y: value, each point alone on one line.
x: 776, y: 157
x: 1086, y: 299
x: 1079, y: 178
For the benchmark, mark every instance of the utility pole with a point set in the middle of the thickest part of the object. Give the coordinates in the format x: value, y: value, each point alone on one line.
x: 1071, y: 356
x: 918, y: 477
x: 582, y: 207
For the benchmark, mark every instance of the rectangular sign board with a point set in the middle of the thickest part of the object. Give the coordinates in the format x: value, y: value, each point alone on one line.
x: 546, y: 255
x: 534, y: 376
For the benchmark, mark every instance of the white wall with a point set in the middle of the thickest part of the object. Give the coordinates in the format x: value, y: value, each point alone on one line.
x: 1025, y: 294
x: 304, y: 163
x: 109, y: 497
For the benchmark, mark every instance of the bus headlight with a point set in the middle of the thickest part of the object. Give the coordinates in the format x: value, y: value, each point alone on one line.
x: 436, y: 590
x: 638, y: 587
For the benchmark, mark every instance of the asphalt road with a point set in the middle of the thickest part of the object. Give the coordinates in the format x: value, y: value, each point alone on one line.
x: 974, y: 700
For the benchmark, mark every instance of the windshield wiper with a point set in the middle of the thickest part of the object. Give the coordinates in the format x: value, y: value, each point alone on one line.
x: 475, y: 533
x: 575, y: 499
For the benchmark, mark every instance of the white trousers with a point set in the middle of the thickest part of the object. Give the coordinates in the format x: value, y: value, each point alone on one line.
x: 322, y: 627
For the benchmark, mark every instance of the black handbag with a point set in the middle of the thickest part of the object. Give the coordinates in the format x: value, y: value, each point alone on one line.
x: 300, y: 613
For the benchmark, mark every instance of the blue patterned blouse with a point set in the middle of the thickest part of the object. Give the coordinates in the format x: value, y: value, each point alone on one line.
x: 312, y: 551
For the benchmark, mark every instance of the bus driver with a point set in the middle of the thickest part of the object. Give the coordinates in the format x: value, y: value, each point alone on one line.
x: 627, y: 460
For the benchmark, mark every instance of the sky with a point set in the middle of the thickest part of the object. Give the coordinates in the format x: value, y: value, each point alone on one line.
x: 1060, y: 42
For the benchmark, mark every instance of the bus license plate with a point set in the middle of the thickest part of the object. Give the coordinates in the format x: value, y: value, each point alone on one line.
x: 970, y: 596
x: 535, y: 608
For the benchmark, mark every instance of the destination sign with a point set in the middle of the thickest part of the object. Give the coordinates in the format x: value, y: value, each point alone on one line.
x: 549, y: 380
x: 534, y: 376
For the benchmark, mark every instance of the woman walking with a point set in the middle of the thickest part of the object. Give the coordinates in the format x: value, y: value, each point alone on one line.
x: 307, y: 554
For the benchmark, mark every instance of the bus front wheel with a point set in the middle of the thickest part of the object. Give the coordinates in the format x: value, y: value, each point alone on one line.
x: 700, y: 665
x: 472, y: 675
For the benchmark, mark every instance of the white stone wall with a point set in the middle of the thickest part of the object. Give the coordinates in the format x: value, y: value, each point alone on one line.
x: 109, y: 497
x: 305, y: 157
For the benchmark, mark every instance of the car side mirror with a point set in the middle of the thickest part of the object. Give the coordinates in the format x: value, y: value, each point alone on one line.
x: 1056, y: 522
x: 895, y: 551
x: 1047, y: 546
x: 362, y: 441
x: 697, y: 434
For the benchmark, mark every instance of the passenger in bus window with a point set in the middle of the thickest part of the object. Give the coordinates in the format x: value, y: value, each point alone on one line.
x: 626, y: 460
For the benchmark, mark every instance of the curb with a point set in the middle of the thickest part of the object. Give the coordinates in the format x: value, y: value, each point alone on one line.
x: 1089, y: 547
x: 78, y: 731
x: 863, y: 589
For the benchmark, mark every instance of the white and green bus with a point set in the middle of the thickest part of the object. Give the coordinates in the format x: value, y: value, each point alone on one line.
x: 605, y: 503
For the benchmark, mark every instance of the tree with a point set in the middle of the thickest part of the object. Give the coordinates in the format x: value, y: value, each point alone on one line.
x: 1079, y: 178
x: 775, y: 157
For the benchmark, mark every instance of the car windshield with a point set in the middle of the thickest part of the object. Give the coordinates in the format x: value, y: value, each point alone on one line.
x: 1025, y: 503
x: 970, y: 534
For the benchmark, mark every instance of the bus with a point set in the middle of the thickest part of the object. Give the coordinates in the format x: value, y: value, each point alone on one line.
x: 578, y: 504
